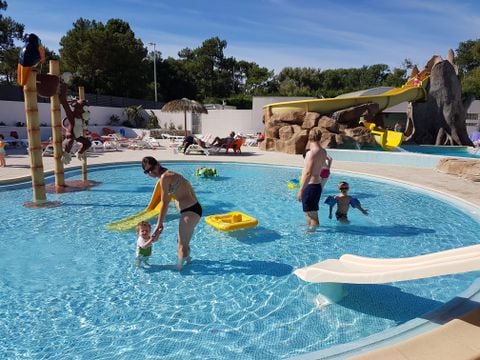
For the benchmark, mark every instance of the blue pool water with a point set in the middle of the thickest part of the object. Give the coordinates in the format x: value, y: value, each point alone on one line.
x: 457, y: 151
x: 69, y: 287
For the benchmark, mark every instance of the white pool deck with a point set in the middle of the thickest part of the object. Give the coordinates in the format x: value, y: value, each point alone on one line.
x: 456, y: 188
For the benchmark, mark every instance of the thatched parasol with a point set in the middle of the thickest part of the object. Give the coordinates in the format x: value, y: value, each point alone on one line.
x: 185, y: 105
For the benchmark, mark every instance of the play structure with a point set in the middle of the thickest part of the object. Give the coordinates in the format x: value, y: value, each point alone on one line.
x: 50, y: 85
x: 234, y: 220
x: 152, y: 210
x: 354, y: 269
x: 413, y: 90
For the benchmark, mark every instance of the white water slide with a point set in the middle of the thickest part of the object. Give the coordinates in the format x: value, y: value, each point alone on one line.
x: 354, y: 269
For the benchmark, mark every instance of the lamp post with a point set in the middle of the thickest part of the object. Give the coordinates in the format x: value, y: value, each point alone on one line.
x: 154, y: 70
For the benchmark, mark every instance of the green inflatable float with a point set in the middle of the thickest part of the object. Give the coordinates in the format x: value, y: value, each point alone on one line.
x: 206, y: 172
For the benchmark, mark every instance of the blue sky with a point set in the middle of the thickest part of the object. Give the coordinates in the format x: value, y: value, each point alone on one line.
x: 275, y: 33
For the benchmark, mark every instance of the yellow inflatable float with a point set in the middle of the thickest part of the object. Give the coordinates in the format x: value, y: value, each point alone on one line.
x: 234, y: 220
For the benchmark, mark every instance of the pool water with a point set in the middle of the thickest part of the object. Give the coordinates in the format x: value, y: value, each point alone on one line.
x: 70, y: 290
x: 457, y: 151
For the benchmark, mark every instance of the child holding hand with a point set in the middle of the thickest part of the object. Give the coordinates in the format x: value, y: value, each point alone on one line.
x: 144, y: 244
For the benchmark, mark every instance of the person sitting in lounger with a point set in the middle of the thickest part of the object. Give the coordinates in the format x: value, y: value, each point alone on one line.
x: 190, y: 140
x: 223, y: 142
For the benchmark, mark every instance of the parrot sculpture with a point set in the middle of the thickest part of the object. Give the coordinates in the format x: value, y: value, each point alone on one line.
x: 31, y: 54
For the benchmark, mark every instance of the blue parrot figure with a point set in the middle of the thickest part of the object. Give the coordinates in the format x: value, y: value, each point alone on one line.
x: 30, y: 55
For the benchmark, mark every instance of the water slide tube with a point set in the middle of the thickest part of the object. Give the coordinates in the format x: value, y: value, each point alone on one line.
x: 354, y: 269
x: 152, y: 210
x: 384, y: 97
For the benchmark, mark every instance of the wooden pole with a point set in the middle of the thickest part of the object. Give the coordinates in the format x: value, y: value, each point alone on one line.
x: 56, y: 117
x: 34, y: 141
x: 81, y: 96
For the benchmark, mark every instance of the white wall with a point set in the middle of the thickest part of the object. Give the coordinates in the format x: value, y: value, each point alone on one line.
x: 216, y: 122
x: 174, y: 118
x: 12, y: 112
x: 222, y: 122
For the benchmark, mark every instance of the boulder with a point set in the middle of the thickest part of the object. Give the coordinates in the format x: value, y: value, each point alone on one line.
x: 287, y: 132
x: 268, y: 144
x: 328, y: 140
x: 361, y: 135
x: 295, y: 145
x: 272, y: 131
x: 351, y: 116
x: 466, y: 168
x: 329, y: 124
x: 287, y: 118
x: 310, y: 120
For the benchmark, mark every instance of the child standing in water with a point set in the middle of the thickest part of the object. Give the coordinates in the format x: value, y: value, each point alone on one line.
x: 343, y: 202
x: 144, y: 244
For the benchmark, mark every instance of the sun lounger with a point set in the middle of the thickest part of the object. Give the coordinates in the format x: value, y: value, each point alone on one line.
x: 197, y: 149
x: 97, y: 146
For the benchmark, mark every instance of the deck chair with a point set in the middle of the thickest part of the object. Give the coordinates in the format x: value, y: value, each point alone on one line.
x: 108, y: 131
x: 97, y: 146
x: 236, y: 145
x: 119, y: 140
x: 153, y: 143
x: 197, y: 149
x: 48, y: 151
x: 111, y: 145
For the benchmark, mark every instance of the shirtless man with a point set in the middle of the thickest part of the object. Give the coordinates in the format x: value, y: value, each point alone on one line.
x: 311, y: 184
x: 174, y: 184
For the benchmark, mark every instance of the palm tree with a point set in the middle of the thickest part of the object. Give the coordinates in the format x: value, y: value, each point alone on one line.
x: 134, y: 116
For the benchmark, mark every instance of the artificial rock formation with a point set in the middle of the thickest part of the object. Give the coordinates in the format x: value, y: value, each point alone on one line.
x: 467, y: 168
x: 440, y: 120
x: 288, y: 131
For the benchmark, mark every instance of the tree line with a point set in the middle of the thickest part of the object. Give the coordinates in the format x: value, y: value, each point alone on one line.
x: 108, y: 59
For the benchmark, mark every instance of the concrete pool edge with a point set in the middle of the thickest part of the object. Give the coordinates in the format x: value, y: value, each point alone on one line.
x: 458, y: 306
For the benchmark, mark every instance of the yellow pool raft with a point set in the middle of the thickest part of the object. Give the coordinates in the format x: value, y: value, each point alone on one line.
x: 234, y: 220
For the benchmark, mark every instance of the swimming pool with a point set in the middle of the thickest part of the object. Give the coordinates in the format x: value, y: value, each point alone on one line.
x: 457, y: 151
x: 69, y: 285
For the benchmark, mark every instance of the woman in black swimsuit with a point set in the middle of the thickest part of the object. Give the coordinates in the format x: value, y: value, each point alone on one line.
x: 174, y: 184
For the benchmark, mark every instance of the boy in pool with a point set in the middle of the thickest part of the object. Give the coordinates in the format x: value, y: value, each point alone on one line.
x: 343, y: 202
x: 144, y: 244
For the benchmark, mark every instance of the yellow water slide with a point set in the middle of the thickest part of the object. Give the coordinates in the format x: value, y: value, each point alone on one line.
x: 384, y: 97
x: 387, y: 139
x: 150, y: 211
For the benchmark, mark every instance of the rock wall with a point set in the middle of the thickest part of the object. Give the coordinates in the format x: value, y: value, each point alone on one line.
x: 440, y: 119
x: 288, y: 131
x: 466, y: 168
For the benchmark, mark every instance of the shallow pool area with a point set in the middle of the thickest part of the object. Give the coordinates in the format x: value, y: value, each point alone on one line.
x: 69, y: 285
